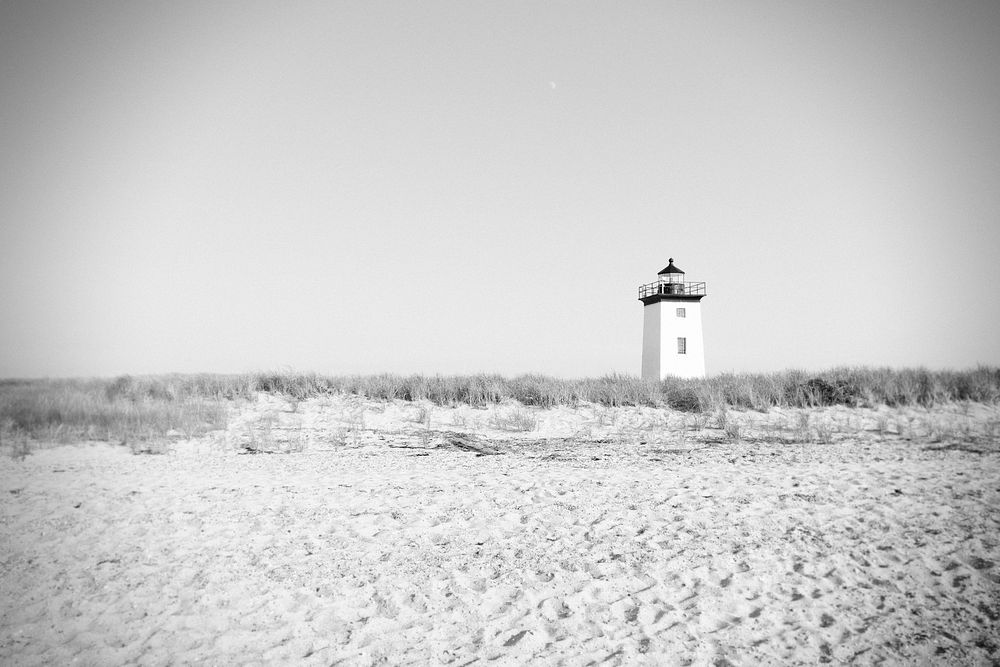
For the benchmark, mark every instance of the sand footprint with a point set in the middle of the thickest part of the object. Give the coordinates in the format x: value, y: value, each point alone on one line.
x: 544, y: 576
x: 498, y: 600
x: 554, y: 609
x: 470, y: 582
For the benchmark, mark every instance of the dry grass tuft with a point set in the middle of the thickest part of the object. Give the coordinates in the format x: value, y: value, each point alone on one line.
x: 514, y: 419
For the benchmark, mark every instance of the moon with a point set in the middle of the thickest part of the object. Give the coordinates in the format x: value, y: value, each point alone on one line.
x: 552, y: 85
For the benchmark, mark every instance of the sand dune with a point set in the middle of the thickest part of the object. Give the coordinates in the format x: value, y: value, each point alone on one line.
x: 628, y: 536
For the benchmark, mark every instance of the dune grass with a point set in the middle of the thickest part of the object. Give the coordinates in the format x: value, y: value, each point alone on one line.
x: 840, y: 386
x: 74, y: 410
x: 130, y: 409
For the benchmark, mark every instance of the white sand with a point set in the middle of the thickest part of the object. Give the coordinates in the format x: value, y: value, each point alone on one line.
x: 651, y: 542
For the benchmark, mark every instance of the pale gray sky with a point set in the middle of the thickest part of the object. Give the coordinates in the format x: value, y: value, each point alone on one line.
x: 459, y: 187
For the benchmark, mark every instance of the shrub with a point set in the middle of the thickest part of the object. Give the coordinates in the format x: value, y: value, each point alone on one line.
x: 818, y: 392
x: 684, y: 399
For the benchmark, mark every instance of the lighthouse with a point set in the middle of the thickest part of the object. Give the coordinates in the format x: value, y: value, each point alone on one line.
x: 671, y: 326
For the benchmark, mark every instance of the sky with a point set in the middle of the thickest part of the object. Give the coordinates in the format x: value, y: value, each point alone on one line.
x: 464, y: 187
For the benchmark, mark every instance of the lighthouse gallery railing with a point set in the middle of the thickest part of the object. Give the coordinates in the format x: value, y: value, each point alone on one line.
x: 662, y: 287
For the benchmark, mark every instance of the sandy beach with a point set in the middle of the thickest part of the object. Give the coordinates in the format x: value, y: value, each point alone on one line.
x: 369, y: 533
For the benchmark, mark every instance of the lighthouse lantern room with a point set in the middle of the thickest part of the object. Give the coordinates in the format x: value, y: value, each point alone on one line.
x: 671, y: 329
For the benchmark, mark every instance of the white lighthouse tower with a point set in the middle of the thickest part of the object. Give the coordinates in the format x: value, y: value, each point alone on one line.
x: 671, y: 328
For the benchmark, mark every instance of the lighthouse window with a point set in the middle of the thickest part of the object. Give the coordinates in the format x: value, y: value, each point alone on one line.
x: 682, y: 345
x: 681, y: 312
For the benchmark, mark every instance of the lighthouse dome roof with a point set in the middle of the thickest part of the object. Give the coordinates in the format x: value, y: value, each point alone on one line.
x: 670, y: 268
